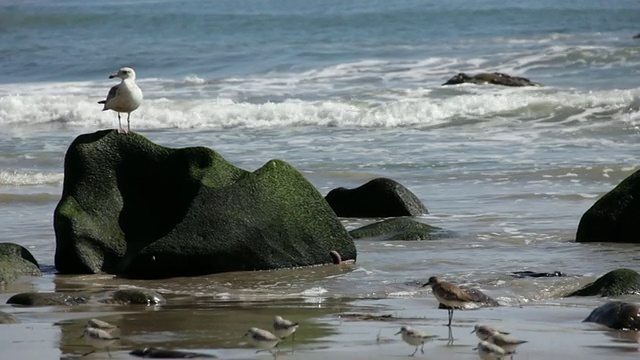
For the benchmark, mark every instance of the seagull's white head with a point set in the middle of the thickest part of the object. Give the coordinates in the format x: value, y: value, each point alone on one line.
x: 124, y: 73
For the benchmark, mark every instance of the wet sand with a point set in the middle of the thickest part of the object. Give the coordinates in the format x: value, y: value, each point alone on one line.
x: 554, y: 329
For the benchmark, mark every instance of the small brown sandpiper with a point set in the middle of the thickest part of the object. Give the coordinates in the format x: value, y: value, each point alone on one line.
x: 448, y: 294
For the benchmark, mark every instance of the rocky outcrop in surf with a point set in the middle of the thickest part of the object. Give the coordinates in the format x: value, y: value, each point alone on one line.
x: 379, y: 197
x: 614, y: 283
x: 16, y: 261
x: 614, y: 217
x: 619, y: 315
x: 137, y: 209
x: 495, y: 78
x: 400, y: 229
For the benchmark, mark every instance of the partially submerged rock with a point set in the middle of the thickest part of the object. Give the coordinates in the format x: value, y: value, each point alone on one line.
x: 614, y: 283
x: 137, y: 209
x: 368, y: 317
x: 495, y: 78
x: 155, y: 353
x: 534, y: 274
x: 400, y: 229
x: 16, y: 261
x: 137, y: 297
x: 379, y: 197
x: 619, y: 315
x: 6, y: 318
x: 614, y: 217
x: 119, y: 297
x: 48, y: 299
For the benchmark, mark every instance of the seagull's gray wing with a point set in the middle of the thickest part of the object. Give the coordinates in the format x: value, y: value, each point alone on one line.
x: 113, y: 92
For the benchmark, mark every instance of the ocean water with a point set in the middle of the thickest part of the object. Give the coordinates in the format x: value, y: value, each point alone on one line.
x: 347, y: 91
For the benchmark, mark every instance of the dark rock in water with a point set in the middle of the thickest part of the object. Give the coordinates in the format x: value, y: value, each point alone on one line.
x: 16, y: 261
x: 618, y: 315
x: 47, y: 299
x: 6, y: 318
x: 533, y: 274
x: 379, y: 197
x: 367, y: 317
x: 155, y: 353
x: 137, y: 297
x: 490, y: 78
x: 478, y: 297
x: 614, y: 283
x: 137, y: 209
x: 400, y: 229
x: 614, y: 217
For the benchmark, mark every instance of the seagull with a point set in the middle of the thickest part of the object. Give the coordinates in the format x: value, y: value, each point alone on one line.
x: 283, y: 328
x: 448, y: 294
x: 124, y: 97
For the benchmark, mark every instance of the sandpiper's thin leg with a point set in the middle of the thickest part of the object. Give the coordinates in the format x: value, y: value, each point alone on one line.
x: 415, y: 351
x: 90, y: 352
x: 422, y: 348
x: 108, y: 352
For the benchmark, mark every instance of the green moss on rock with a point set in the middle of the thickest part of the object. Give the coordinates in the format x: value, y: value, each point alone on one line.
x: 400, y: 229
x: 138, y: 209
x: 614, y: 283
x: 614, y: 217
x: 16, y: 261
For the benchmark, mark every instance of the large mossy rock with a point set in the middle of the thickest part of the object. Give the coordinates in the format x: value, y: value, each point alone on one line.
x: 495, y: 78
x: 379, y: 197
x: 16, y: 261
x: 134, y: 208
x: 617, y: 315
x: 614, y: 283
x: 615, y: 217
x: 399, y: 229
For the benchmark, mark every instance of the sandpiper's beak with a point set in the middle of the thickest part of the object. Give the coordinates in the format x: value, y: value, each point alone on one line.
x: 475, y: 348
x: 399, y: 332
x: 427, y: 284
x: 245, y: 335
x: 472, y: 331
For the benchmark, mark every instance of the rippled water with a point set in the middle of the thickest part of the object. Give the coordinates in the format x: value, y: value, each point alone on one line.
x: 346, y: 92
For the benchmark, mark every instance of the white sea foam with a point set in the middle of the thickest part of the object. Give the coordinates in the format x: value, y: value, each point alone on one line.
x: 27, y: 178
x: 416, y: 109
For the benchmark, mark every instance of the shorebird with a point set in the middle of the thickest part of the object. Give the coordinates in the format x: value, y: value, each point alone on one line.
x: 489, y: 351
x: 98, y: 339
x: 99, y: 324
x: 263, y: 340
x: 484, y: 331
x: 415, y: 338
x: 491, y: 335
x: 124, y: 97
x: 448, y: 294
x: 283, y: 328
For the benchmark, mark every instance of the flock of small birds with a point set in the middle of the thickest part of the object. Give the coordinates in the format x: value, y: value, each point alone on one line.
x: 494, y: 344
x: 266, y: 340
